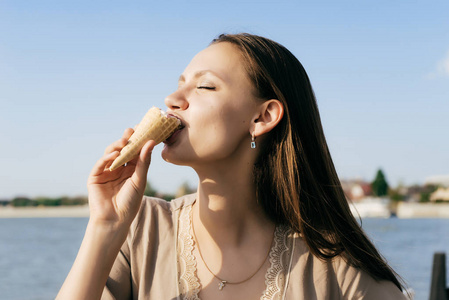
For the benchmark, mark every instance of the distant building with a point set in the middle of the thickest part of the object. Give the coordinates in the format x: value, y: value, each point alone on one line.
x: 412, y: 193
x: 356, y: 190
x: 439, y: 180
x: 441, y: 194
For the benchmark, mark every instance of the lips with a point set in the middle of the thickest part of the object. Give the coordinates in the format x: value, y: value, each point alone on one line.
x: 172, y: 138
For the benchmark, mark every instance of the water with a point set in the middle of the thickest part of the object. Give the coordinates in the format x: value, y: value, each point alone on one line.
x: 36, y: 254
x: 409, y: 245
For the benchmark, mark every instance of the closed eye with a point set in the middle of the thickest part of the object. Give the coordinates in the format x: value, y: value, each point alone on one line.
x: 206, y: 87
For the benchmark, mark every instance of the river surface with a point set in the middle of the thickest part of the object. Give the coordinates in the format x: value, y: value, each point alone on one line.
x: 36, y: 253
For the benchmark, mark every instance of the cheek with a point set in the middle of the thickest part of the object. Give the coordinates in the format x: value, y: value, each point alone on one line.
x: 208, y: 136
x: 219, y: 134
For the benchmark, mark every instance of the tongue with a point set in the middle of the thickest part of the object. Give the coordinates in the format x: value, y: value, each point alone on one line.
x: 170, y: 139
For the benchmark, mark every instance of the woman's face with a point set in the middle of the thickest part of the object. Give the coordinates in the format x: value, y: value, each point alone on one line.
x: 216, y: 103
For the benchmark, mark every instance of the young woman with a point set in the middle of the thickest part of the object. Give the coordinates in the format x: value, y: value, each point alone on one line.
x: 269, y: 219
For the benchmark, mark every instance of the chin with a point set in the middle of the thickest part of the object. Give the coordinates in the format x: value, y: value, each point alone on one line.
x: 171, y: 155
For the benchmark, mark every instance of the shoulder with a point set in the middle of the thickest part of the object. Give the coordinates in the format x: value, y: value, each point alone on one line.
x: 158, y: 205
x: 358, y: 284
x: 158, y: 213
x: 155, y: 225
x: 181, y: 202
x: 325, y: 279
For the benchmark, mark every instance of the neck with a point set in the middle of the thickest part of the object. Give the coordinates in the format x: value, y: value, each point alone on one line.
x: 227, y: 206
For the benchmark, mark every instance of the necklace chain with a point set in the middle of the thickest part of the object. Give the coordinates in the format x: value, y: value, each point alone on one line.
x: 223, y: 282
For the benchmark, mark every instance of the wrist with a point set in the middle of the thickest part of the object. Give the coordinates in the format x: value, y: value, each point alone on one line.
x: 110, y: 233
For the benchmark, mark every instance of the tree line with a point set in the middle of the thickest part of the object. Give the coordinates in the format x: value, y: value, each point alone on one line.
x: 22, y: 201
x: 379, y: 188
x: 44, y: 201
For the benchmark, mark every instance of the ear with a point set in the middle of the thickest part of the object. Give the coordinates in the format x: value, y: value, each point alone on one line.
x: 270, y: 114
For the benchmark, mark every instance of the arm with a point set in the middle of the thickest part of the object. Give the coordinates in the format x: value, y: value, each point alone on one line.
x: 114, y: 200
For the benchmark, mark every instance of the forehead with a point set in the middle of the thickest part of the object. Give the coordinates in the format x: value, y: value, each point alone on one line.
x: 223, y: 59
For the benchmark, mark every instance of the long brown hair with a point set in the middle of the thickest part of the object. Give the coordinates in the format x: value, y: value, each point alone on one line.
x: 296, y: 180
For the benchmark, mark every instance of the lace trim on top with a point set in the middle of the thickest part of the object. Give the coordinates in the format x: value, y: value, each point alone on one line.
x: 188, y: 281
x: 275, y: 278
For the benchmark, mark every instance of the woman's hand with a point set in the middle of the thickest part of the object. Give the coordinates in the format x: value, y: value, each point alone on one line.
x: 115, y: 197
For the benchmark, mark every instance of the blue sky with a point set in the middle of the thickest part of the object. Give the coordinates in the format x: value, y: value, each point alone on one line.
x: 75, y: 74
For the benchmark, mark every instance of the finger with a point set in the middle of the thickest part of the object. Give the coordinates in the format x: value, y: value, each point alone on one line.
x: 116, y: 146
x: 145, y: 153
x: 127, y: 133
x: 143, y: 163
x: 101, y: 164
x: 119, y: 144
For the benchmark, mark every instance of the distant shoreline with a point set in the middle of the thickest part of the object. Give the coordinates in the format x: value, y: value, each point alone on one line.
x: 78, y: 211
x: 422, y: 210
x: 403, y: 211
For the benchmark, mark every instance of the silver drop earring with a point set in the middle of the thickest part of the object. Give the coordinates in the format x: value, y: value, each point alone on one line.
x: 253, y: 141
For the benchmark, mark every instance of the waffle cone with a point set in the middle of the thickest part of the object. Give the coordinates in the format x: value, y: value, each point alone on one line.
x: 155, y: 125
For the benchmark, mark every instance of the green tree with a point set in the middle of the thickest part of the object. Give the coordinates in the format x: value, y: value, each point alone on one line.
x: 22, y: 201
x: 48, y: 201
x: 168, y: 197
x: 426, y: 191
x: 380, y: 185
x: 149, y: 191
x: 77, y: 200
x: 397, y: 194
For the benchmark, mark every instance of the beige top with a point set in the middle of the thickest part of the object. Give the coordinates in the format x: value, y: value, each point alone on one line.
x: 156, y: 262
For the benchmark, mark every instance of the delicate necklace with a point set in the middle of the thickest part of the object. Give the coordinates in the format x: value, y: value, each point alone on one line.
x: 223, y: 282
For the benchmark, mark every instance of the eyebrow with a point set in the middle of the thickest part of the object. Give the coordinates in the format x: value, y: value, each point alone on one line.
x: 199, y: 74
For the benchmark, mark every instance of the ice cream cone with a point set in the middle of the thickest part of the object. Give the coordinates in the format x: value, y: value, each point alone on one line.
x: 155, y: 125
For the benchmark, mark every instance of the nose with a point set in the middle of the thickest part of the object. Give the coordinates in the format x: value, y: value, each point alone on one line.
x: 176, y: 101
